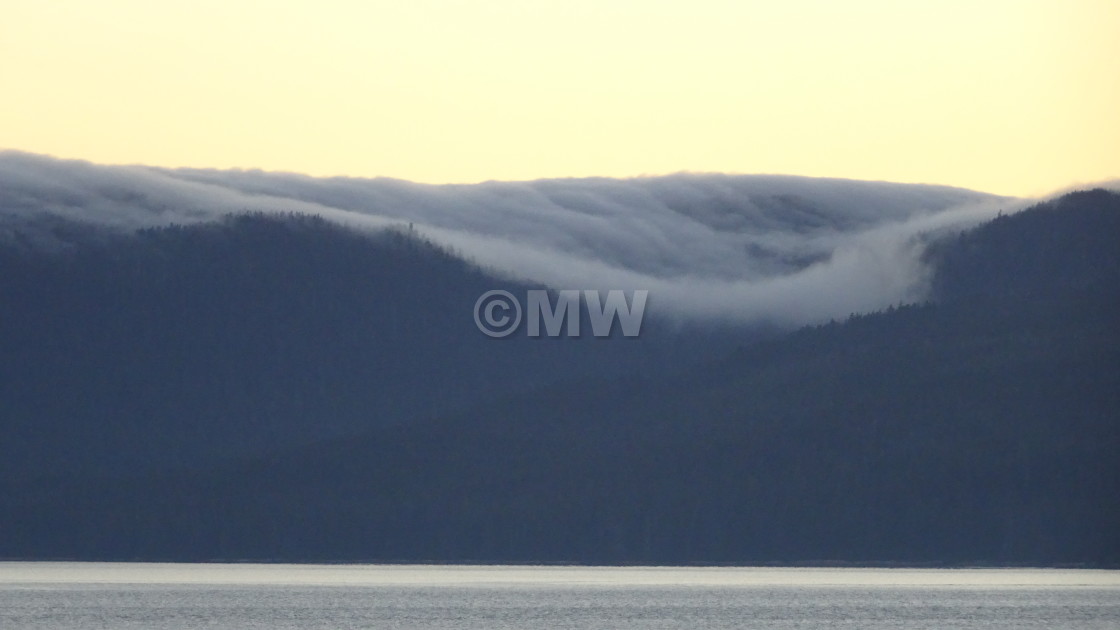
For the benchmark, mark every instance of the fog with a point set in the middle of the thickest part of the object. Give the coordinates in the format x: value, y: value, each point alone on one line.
x: 754, y: 249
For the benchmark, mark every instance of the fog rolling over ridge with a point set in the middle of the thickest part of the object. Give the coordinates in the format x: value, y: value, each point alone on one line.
x: 748, y: 249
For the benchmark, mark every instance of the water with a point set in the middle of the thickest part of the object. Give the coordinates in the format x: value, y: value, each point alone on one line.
x: 180, y: 596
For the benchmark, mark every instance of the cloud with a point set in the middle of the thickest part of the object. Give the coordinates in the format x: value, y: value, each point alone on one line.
x: 775, y: 249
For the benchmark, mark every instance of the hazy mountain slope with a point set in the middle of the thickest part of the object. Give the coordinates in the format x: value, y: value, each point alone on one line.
x: 1067, y: 245
x: 254, y: 333
x: 983, y: 428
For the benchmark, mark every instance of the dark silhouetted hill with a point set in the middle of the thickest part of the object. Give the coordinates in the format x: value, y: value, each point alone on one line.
x: 1067, y: 245
x: 982, y: 427
x: 176, y: 346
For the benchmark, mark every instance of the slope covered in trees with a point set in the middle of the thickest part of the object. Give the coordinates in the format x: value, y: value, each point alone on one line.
x: 981, y: 427
x: 175, y: 346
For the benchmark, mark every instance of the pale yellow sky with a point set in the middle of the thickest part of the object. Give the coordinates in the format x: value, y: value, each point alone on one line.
x: 1008, y: 96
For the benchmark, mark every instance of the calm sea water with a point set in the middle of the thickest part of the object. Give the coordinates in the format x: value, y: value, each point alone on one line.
x: 180, y: 596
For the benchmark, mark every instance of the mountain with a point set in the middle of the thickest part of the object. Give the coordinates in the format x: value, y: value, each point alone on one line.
x: 181, y: 345
x: 982, y: 426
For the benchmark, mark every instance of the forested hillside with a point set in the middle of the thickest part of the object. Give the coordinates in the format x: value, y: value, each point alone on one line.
x: 175, y: 346
x: 981, y: 427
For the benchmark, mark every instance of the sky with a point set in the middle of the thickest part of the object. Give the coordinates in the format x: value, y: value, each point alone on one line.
x: 1013, y: 97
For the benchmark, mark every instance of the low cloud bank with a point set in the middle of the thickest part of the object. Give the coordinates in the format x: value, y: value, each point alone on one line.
x: 753, y: 249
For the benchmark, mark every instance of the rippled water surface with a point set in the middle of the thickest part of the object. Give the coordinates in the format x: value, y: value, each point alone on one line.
x: 180, y: 596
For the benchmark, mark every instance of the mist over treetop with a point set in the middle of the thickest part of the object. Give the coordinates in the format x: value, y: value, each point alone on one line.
x: 767, y: 249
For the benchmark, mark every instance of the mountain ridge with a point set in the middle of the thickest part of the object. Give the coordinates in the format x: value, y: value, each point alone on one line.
x: 979, y: 428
